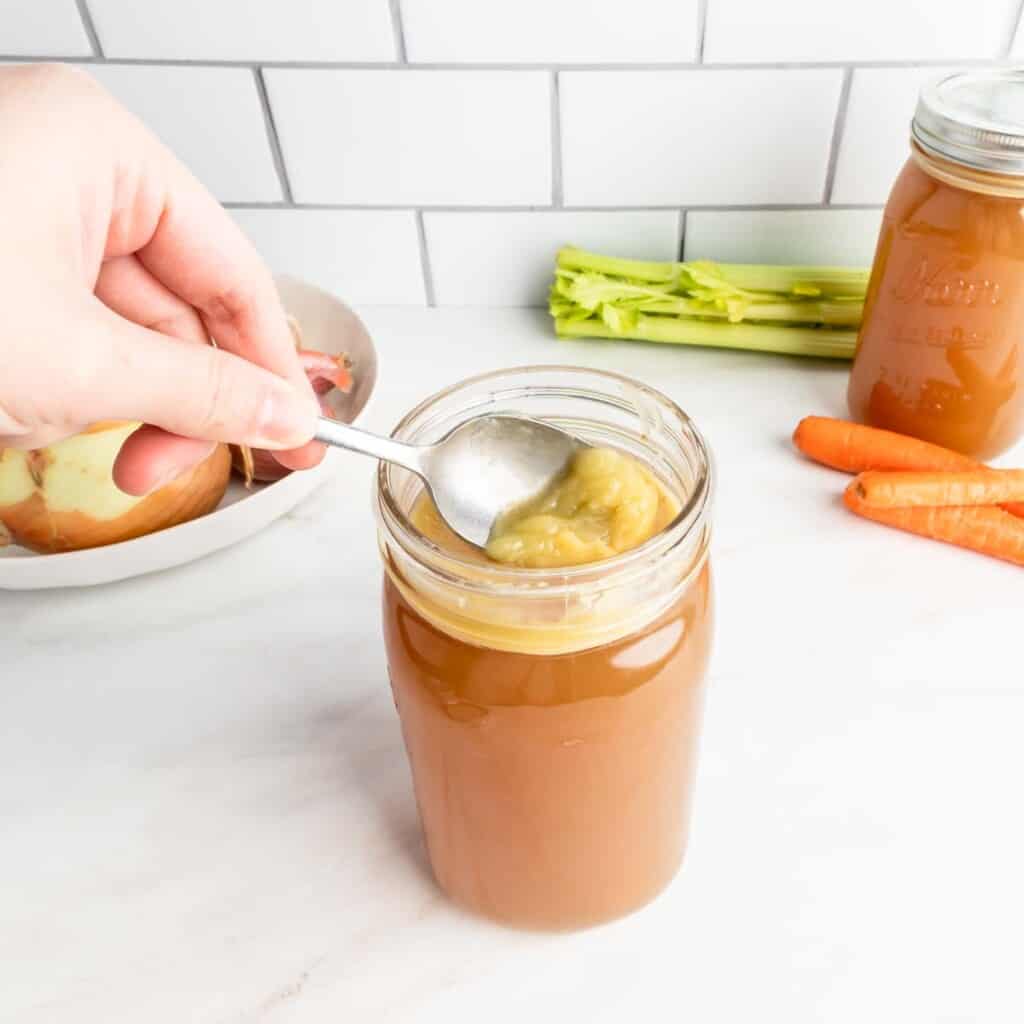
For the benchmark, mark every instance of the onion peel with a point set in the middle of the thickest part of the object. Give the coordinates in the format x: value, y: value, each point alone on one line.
x: 326, y: 373
x: 63, y: 498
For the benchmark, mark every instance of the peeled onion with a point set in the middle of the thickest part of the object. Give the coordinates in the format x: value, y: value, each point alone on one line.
x: 63, y: 498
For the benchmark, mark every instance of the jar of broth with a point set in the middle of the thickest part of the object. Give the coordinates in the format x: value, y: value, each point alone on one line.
x: 941, y: 349
x: 551, y: 715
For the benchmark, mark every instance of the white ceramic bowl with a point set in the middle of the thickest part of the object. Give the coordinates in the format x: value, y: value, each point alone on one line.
x: 327, y: 324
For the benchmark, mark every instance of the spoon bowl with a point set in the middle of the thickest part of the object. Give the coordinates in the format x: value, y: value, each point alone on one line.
x: 480, y: 470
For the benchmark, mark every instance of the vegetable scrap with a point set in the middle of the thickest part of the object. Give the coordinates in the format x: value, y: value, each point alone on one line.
x: 936, y: 490
x: 855, y: 448
x: 63, y: 497
x: 920, y: 487
x: 326, y: 373
x: 792, y: 310
x: 985, y: 529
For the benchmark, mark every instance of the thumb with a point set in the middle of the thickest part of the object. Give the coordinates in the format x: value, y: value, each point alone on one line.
x: 193, y: 390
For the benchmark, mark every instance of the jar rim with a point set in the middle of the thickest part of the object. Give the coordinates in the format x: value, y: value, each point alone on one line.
x: 495, y: 578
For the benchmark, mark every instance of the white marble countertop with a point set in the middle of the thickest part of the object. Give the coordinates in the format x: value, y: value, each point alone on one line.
x: 206, y: 814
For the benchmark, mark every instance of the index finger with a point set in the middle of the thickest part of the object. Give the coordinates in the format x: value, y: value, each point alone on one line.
x: 201, y: 255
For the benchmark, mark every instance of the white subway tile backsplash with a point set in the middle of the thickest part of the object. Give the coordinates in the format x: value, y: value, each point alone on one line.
x: 823, y: 237
x: 363, y: 256
x: 696, y: 137
x: 508, y: 258
x: 653, y: 115
x: 210, y: 117
x: 42, y: 28
x: 875, y: 141
x: 563, y: 32
x: 810, y: 30
x: 414, y: 137
x: 306, y: 30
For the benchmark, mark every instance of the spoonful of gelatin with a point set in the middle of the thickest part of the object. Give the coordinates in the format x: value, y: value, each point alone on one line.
x: 480, y: 471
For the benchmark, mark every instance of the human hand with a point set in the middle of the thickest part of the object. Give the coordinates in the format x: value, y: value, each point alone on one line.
x: 117, y: 267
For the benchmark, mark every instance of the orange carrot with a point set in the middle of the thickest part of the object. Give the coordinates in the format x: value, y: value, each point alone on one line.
x: 933, y: 490
x: 988, y: 530
x: 854, y: 448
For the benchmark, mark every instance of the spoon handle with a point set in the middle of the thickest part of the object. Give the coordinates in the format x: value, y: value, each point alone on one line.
x: 341, y: 435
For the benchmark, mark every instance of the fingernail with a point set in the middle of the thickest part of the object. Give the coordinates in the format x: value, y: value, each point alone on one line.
x: 287, y: 420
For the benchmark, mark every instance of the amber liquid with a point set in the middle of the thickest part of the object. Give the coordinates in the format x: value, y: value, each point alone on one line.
x: 554, y: 791
x: 940, y: 349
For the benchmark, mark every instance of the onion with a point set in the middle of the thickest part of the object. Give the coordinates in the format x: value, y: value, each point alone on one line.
x: 326, y: 373
x: 63, y: 498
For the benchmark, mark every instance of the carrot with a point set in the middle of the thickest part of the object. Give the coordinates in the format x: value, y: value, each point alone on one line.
x: 985, y: 529
x: 854, y: 448
x: 933, y: 490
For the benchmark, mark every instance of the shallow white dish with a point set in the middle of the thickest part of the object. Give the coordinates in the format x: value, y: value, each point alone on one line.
x: 327, y: 324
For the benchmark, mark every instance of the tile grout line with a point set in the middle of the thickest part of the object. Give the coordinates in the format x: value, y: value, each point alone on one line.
x: 557, y: 188
x: 837, y: 135
x: 702, y: 29
x: 428, y: 274
x: 1014, y: 27
x: 276, y: 153
x: 398, y: 28
x: 90, y: 28
x: 513, y: 208
x: 617, y: 68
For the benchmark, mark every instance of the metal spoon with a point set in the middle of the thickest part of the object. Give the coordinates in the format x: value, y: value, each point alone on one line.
x: 484, y: 467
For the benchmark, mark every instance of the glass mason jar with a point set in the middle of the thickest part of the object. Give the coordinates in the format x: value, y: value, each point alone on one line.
x: 941, y: 347
x: 551, y: 716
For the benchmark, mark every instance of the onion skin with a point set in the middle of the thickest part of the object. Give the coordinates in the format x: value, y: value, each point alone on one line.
x: 265, y: 468
x: 83, y: 480
x: 325, y: 373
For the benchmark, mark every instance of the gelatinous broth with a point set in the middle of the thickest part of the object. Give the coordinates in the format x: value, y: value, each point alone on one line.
x: 608, y: 502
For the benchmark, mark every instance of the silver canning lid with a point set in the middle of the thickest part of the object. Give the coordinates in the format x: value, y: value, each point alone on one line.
x: 975, y: 118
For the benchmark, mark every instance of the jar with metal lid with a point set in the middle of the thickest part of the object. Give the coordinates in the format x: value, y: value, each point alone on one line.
x: 941, y: 349
x: 551, y: 716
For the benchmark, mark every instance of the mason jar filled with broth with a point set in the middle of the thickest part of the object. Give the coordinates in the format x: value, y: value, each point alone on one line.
x: 550, y: 687
x: 940, y: 354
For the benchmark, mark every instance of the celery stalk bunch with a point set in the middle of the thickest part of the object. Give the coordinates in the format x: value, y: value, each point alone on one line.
x: 806, y: 311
